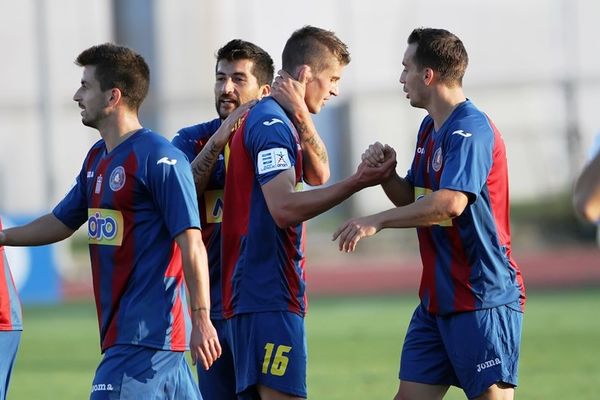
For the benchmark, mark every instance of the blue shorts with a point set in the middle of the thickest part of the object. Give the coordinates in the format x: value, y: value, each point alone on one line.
x: 136, y: 372
x: 470, y: 350
x: 218, y: 383
x: 269, y: 349
x: 9, y: 344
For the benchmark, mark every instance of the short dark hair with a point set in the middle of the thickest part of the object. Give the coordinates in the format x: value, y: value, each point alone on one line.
x: 118, y: 67
x: 309, y: 45
x: 238, y: 49
x: 441, y: 51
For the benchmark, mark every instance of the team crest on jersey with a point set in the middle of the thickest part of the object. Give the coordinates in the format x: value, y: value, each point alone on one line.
x: 273, y: 160
x: 436, y: 163
x: 105, y: 226
x: 117, y: 179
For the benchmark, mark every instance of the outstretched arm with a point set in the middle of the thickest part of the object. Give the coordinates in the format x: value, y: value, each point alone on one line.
x: 204, y: 163
x: 289, y: 93
x: 433, y: 209
x: 586, y: 194
x: 44, y: 230
x: 288, y: 207
x: 204, y: 343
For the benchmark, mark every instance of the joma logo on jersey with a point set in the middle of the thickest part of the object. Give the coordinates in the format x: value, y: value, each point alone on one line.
x: 488, y: 364
x: 105, y: 227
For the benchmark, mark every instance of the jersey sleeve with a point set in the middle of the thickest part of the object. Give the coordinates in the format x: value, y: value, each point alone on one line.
x: 271, y: 145
x: 72, y: 209
x: 186, y: 143
x: 468, y: 157
x: 172, y: 187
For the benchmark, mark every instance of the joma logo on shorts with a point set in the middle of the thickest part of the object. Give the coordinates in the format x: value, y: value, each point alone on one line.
x: 488, y: 364
x: 102, y: 387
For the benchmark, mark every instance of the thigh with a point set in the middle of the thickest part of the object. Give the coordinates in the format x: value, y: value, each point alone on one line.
x: 135, y: 372
x: 484, y: 347
x: 269, y: 349
x: 9, y: 344
x: 424, y: 358
x: 218, y: 382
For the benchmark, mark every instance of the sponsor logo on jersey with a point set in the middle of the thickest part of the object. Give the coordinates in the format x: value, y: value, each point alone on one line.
x: 102, y: 387
x: 167, y: 160
x: 462, y: 133
x: 273, y: 121
x: 436, y: 163
x: 105, y: 226
x: 488, y: 364
x: 117, y: 179
x: 213, y: 206
x: 273, y: 160
x: 421, y: 192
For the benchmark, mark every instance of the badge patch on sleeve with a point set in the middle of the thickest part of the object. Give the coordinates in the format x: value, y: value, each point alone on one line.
x: 273, y: 160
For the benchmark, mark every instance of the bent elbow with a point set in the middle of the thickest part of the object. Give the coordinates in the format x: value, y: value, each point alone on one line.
x: 317, y: 179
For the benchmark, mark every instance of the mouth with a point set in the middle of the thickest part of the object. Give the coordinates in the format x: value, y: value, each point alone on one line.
x: 228, y: 102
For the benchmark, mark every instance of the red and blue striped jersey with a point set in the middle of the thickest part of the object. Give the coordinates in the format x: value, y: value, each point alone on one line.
x: 262, y: 264
x: 467, y: 261
x: 136, y: 199
x: 191, y: 140
x: 10, y: 306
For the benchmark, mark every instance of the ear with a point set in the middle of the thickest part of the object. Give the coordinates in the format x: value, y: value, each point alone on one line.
x: 304, y: 74
x: 428, y: 76
x: 265, y: 90
x: 114, y: 97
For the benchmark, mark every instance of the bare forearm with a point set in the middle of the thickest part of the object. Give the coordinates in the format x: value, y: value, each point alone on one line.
x: 314, y: 153
x: 195, y: 268
x: 398, y: 190
x: 204, y: 164
x: 302, y: 206
x: 586, y: 195
x: 44, y: 230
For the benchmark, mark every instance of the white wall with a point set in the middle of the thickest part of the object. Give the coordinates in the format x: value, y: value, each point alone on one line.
x: 521, y: 54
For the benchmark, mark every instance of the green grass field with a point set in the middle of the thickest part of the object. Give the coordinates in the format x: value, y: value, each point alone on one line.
x: 354, y: 347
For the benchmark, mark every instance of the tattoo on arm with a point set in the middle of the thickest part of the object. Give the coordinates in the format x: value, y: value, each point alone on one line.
x: 318, y: 148
x: 204, y: 164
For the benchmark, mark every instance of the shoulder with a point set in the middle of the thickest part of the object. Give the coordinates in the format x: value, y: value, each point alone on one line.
x: 470, y: 122
x: 267, y: 113
x: 156, y: 148
x: 199, y: 131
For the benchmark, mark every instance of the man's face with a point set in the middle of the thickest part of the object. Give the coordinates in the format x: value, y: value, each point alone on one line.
x: 234, y: 85
x: 412, y: 78
x: 91, y: 99
x: 322, y: 85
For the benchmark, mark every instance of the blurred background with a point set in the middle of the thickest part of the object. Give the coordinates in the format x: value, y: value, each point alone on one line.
x: 534, y: 68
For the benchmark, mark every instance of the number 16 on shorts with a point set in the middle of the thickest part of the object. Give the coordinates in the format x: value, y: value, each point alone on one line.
x: 278, y: 362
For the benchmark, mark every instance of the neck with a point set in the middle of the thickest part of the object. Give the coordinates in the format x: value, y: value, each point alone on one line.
x: 117, y: 130
x: 443, y: 103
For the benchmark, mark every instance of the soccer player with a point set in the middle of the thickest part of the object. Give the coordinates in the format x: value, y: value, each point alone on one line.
x: 10, y: 322
x: 136, y: 193
x: 466, y: 331
x: 243, y: 73
x: 263, y: 232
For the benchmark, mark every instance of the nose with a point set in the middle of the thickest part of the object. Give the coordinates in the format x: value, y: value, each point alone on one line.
x: 335, y: 90
x: 226, y: 86
x: 402, y: 78
x: 76, y: 96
